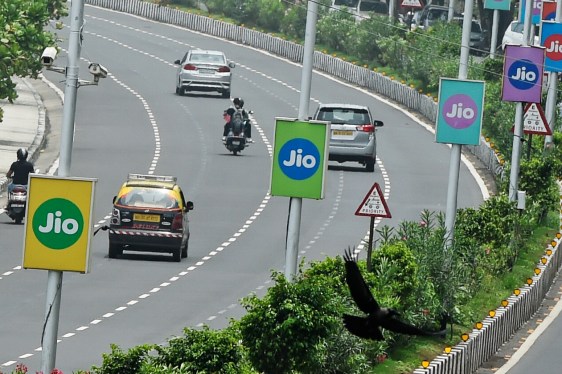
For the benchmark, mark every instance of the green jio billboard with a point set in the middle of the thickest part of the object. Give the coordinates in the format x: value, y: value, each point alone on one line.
x: 300, y: 158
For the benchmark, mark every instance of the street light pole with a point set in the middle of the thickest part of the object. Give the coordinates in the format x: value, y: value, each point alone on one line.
x: 54, y: 278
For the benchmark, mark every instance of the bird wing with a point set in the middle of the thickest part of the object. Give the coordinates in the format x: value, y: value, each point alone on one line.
x: 357, y: 286
x: 360, y: 326
x: 400, y: 327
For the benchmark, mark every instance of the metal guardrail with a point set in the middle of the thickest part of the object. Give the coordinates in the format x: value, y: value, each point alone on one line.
x: 465, y: 357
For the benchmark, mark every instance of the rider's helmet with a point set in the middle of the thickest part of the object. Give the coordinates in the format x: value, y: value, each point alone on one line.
x: 238, y: 102
x: 22, y: 154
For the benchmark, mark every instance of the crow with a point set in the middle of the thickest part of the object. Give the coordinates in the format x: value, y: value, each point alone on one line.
x: 369, y: 327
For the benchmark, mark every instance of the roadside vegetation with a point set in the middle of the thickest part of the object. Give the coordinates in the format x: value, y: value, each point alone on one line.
x: 296, y: 327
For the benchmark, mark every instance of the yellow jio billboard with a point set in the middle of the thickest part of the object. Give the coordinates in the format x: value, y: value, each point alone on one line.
x: 58, y: 224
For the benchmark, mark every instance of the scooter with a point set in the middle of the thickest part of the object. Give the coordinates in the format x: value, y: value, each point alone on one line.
x: 17, y: 199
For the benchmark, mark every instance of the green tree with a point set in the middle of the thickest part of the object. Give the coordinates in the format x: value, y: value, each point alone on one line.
x: 23, y: 39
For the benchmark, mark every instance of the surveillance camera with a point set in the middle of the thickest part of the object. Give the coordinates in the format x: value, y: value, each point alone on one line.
x: 97, y: 70
x: 48, y: 56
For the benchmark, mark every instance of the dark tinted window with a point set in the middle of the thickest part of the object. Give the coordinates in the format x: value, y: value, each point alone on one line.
x: 347, y: 3
x: 373, y: 6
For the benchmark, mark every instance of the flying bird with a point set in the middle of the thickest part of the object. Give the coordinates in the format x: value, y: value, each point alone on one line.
x: 369, y: 327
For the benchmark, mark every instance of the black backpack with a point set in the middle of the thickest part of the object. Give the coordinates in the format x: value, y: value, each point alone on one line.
x: 237, y: 122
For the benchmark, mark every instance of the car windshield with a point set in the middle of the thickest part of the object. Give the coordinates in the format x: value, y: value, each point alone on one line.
x: 207, y: 58
x: 347, y: 3
x: 373, y: 6
x: 148, y: 198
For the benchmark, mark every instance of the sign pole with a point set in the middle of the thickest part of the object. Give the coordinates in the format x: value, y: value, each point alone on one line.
x: 295, y: 203
x: 370, y: 248
x: 54, y: 278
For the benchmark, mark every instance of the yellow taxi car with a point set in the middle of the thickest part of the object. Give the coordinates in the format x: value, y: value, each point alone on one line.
x: 150, y: 215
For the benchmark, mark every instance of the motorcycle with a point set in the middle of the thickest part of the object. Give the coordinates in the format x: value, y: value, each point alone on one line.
x: 236, y: 140
x: 17, y: 199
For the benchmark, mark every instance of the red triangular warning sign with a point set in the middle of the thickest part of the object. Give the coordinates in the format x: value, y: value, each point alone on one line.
x: 373, y: 204
x: 411, y: 4
x: 534, y: 120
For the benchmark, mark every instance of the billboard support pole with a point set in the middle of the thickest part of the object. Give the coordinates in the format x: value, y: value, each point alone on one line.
x: 295, y: 203
x: 54, y: 277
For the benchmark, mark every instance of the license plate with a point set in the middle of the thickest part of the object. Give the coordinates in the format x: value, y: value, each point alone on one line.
x: 17, y: 205
x: 206, y: 71
x: 236, y: 142
x: 343, y: 132
x: 146, y: 217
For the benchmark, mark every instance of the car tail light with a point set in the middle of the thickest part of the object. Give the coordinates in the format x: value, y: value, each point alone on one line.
x: 224, y: 69
x: 177, y: 223
x: 366, y: 128
x: 189, y: 67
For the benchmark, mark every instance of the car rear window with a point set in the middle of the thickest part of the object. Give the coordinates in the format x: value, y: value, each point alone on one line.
x: 373, y: 6
x: 206, y: 58
x: 344, y: 115
x: 148, y: 198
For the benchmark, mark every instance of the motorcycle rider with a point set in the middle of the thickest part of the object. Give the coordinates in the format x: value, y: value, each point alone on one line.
x: 19, y: 170
x: 229, y: 113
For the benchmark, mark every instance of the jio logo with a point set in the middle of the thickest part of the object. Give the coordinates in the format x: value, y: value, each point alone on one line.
x: 299, y: 159
x: 460, y: 111
x: 58, y: 223
x: 523, y: 74
x: 553, y: 44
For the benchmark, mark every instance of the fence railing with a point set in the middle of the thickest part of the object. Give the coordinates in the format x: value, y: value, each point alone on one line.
x: 465, y: 357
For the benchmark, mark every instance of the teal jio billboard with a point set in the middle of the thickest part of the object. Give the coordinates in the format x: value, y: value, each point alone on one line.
x: 300, y: 158
x: 459, y: 117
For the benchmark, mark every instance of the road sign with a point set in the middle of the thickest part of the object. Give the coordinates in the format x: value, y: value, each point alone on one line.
x: 300, y: 158
x: 58, y: 227
x: 534, y: 120
x: 411, y: 4
x: 373, y: 204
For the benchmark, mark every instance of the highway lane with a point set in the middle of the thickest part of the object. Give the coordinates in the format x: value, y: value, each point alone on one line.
x: 133, y: 122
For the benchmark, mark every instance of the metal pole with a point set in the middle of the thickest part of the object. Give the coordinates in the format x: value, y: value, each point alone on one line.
x: 54, y: 278
x: 295, y: 203
x: 494, y: 41
x: 451, y: 12
x: 550, y: 112
x: 370, y: 245
x: 455, y: 162
x: 518, y: 127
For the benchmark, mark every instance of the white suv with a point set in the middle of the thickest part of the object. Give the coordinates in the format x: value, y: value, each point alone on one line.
x: 514, y: 35
x: 352, y: 133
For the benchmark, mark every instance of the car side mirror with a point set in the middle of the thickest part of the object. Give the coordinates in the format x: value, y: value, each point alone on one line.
x: 114, y: 199
x: 189, y: 206
x: 231, y: 65
x: 378, y: 123
x: 177, y: 62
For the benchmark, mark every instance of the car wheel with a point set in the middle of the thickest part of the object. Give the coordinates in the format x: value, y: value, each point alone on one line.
x: 115, y: 250
x: 178, y: 90
x: 370, y: 165
x: 184, y: 249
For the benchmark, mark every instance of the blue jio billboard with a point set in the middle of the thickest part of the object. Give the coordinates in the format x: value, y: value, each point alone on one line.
x: 551, y: 39
x: 460, y: 113
x: 522, y: 73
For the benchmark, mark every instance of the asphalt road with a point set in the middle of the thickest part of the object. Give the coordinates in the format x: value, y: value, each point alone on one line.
x: 133, y: 122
